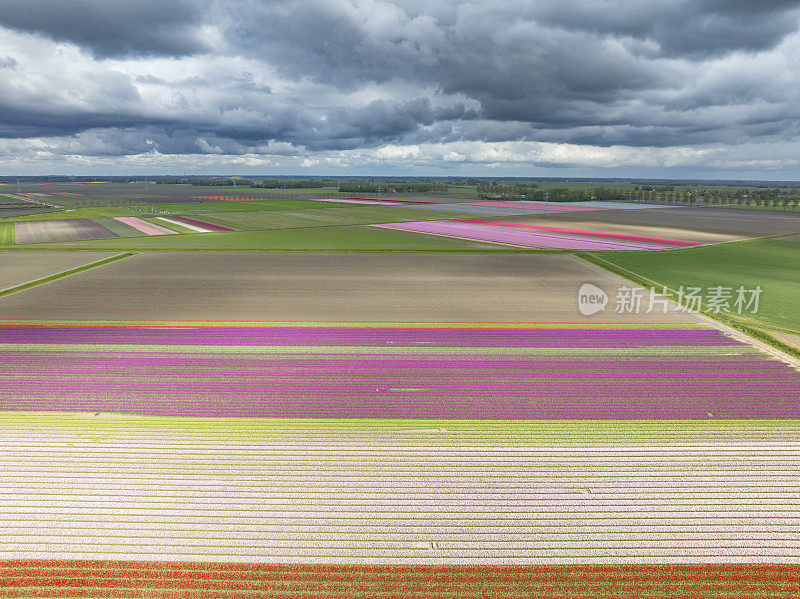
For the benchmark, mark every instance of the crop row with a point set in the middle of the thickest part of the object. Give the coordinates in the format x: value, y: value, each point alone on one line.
x: 389, y: 372
x: 465, y: 229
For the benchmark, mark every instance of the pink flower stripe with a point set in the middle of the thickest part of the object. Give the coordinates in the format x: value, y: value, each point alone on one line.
x: 144, y: 226
x: 644, y: 239
x: 343, y: 201
x: 228, y: 198
x: 174, y: 383
x: 201, y: 223
x: 396, y: 200
x: 505, y: 236
x: 366, y: 336
x: 555, y: 207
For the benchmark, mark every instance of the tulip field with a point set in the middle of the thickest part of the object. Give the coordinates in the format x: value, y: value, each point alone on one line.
x: 76, y: 229
x: 390, y: 372
x: 349, y: 459
x: 535, y: 237
x: 214, y: 396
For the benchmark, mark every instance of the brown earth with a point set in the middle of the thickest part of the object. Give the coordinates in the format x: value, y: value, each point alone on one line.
x: 20, y: 267
x: 302, y: 286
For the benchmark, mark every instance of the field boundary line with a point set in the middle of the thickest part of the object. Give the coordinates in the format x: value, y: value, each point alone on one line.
x: 64, y: 273
x: 735, y: 327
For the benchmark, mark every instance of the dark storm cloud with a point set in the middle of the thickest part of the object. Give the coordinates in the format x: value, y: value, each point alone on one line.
x: 686, y: 28
x: 349, y: 74
x: 551, y: 64
x: 112, y: 28
x: 335, y: 41
x: 19, y: 123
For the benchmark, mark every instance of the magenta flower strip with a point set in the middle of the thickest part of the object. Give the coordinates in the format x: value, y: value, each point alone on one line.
x: 350, y: 380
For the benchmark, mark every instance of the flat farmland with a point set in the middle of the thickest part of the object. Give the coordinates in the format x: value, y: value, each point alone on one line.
x: 315, y: 287
x: 532, y: 236
x: 771, y: 264
x: 20, y: 267
x: 429, y: 423
x: 379, y: 444
x: 383, y: 371
x: 323, y: 217
x: 312, y: 239
x: 411, y: 492
x: 134, y: 579
x: 75, y: 195
x: 696, y: 223
x: 61, y: 230
x: 633, y: 227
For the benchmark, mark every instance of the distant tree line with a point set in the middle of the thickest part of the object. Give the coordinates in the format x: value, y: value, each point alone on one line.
x: 534, y: 193
x: 501, y: 191
x: 292, y: 184
x: 658, y: 188
x: 391, y: 187
x: 775, y: 198
x: 221, y: 182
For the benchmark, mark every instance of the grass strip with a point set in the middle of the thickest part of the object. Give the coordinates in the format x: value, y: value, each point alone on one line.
x: 161, y: 424
x: 733, y: 322
x: 66, y: 273
x: 7, y: 233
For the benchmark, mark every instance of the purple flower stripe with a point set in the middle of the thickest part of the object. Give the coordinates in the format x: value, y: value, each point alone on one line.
x: 541, y: 391
x: 329, y: 382
x: 418, y: 385
x: 56, y: 364
x: 367, y: 337
x: 328, y: 387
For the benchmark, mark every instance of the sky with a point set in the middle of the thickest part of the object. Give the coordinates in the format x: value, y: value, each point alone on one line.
x: 551, y: 88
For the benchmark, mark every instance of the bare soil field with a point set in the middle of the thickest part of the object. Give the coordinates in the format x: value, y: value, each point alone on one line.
x: 709, y: 225
x: 385, y: 287
x: 20, y: 267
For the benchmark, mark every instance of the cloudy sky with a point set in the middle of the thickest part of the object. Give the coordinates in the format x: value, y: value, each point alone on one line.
x: 676, y: 88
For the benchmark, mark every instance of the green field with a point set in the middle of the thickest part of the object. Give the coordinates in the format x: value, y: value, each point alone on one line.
x: 771, y: 263
x: 203, y: 207
x: 7, y: 233
x: 176, y: 208
x: 323, y: 215
x: 251, y: 221
x: 330, y: 238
